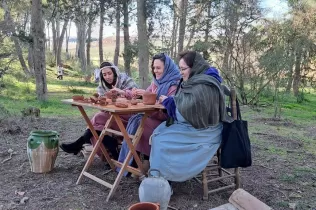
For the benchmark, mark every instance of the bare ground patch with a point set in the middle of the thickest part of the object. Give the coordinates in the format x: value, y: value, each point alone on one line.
x: 272, y: 178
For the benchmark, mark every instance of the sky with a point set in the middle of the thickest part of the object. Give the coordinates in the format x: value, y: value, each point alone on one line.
x: 275, y: 9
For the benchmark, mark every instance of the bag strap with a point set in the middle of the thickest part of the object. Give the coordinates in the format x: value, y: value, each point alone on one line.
x: 238, y: 110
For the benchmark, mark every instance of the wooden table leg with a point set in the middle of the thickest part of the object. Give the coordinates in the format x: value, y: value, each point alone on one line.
x: 97, y: 145
x: 95, y: 135
x: 131, y: 151
x: 127, y: 138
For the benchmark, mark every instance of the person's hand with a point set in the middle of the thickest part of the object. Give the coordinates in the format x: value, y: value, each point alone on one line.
x: 162, y: 98
x: 134, y: 92
x: 138, y: 92
x: 117, y: 90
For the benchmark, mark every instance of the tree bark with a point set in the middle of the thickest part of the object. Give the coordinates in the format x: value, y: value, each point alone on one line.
x: 61, y: 40
x: 30, y: 61
x: 101, y: 30
x: 57, y: 30
x: 81, y: 41
x: 297, y: 72
x: 89, y: 40
x: 143, y: 50
x: 183, y: 17
x: 11, y: 27
x: 37, y: 30
x: 54, y: 37
x: 127, y: 44
x: 67, y: 40
x: 206, y: 55
x: 117, y: 40
x: 174, y: 33
x: 231, y: 20
x: 48, y: 37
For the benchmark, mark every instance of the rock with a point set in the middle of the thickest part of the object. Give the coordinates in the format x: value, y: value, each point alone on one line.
x: 23, y: 200
x: 292, y: 205
x: 294, y: 195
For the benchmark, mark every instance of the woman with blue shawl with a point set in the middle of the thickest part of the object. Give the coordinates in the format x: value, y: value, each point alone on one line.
x: 166, y: 77
x: 182, y: 147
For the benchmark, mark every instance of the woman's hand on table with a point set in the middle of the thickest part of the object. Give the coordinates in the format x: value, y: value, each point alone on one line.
x: 137, y: 92
x: 162, y: 98
x: 119, y: 91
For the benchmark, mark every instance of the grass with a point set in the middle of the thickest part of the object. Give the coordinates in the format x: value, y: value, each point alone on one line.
x: 18, y: 95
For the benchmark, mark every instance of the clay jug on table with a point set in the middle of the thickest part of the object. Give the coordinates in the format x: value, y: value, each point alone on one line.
x: 42, y: 150
x: 155, y: 189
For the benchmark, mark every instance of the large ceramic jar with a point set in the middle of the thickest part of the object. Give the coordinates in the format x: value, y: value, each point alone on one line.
x: 42, y: 150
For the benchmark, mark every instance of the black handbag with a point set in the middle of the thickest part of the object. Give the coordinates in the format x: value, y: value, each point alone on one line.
x: 235, y: 146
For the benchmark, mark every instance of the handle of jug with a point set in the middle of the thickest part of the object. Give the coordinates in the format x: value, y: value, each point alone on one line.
x: 155, y: 170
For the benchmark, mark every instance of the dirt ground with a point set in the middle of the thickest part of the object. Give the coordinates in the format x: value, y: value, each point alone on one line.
x: 282, y: 175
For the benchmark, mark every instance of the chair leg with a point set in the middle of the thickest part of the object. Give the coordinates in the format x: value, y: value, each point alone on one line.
x: 237, y: 178
x: 205, y: 185
x: 220, y: 172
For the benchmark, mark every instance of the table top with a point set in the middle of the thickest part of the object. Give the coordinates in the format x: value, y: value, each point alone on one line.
x: 140, y: 107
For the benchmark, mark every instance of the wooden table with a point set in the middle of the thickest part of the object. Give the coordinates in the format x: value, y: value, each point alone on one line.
x: 115, y: 113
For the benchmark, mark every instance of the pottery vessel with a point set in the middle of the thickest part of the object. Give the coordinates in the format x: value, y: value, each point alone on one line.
x: 144, y: 206
x: 149, y: 98
x: 42, y: 150
x: 77, y: 98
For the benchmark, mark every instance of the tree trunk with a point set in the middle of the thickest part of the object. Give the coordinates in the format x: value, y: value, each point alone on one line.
x: 183, y: 17
x: 143, y: 51
x: 48, y: 37
x: 174, y: 33
x: 117, y: 40
x: 101, y: 30
x: 67, y: 40
x: 61, y: 40
x: 231, y: 20
x: 297, y: 72
x: 37, y: 30
x: 89, y: 40
x: 81, y: 41
x: 206, y: 55
x: 11, y: 27
x: 57, y: 30
x: 127, y: 44
x: 290, y: 72
x: 54, y: 38
x: 30, y: 61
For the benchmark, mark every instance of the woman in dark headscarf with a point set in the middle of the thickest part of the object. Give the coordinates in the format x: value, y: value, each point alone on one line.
x: 110, y: 79
x: 182, y: 147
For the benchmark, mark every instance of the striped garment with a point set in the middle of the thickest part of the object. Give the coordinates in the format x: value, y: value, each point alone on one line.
x: 200, y: 99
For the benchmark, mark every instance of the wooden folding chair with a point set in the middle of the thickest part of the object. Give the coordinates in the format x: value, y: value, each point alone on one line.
x: 221, y: 174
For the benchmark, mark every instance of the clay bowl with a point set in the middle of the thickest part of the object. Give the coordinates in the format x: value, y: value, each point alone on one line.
x: 134, y: 102
x: 77, y: 98
x: 108, y: 95
x: 93, y: 99
x: 144, y: 206
x: 149, y: 98
x: 121, y: 105
x: 103, y: 102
